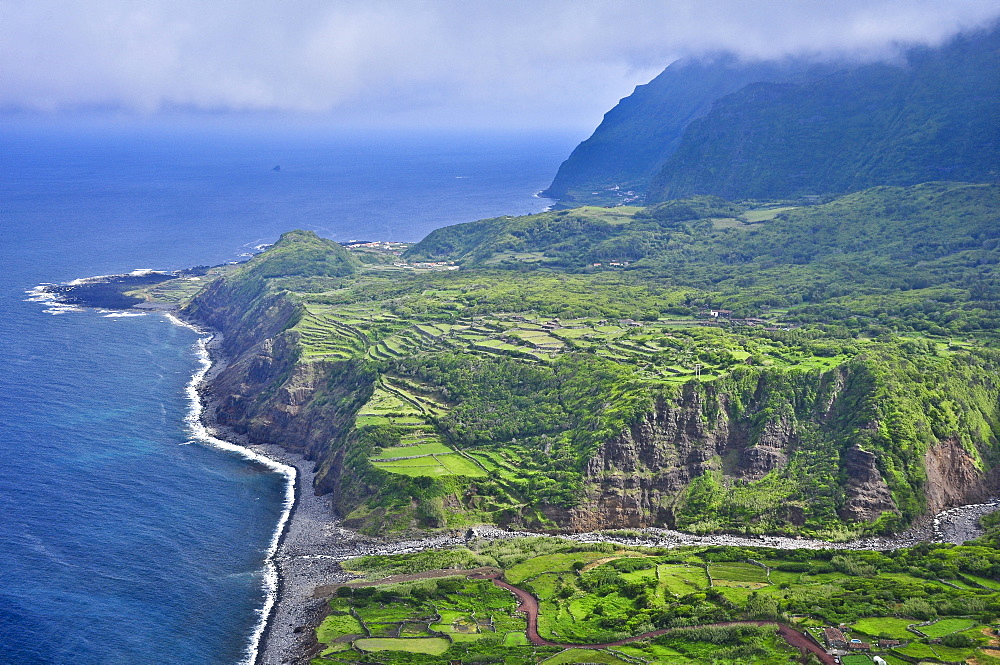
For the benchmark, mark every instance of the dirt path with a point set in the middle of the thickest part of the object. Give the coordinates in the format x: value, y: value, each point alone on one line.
x: 529, y: 605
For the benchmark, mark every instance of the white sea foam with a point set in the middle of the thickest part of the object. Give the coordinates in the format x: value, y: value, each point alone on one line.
x: 41, y: 294
x: 120, y: 315
x: 138, y: 272
x: 51, y: 300
x: 202, y: 434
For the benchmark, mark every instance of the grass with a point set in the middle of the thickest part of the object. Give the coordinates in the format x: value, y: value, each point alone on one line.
x: 856, y: 659
x: 910, y: 579
x: 954, y: 654
x: 737, y: 572
x: 584, y: 656
x: 337, y: 625
x: 889, y: 626
x: 894, y: 660
x: 681, y: 580
x: 429, y: 448
x: 415, y: 468
x: 765, y: 214
x: 781, y: 576
x: 461, y: 466
x: 547, y: 563
x: 944, y: 627
x: 984, y: 581
x: 916, y: 650
x: 450, y: 464
x: 433, y: 646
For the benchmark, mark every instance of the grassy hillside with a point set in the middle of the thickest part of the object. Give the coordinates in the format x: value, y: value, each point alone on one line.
x: 922, y: 258
x: 821, y: 370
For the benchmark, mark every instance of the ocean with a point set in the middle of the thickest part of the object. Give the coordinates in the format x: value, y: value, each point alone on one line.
x: 122, y: 538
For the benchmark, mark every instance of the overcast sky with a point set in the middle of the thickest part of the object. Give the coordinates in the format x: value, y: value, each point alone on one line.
x: 468, y: 62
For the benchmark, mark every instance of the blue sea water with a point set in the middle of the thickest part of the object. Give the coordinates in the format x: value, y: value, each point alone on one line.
x: 121, y: 541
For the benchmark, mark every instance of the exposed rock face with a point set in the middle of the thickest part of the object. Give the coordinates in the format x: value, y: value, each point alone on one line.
x: 266, y: 395
x: 866, y: 492
x: 739, y: 431
x: 636, y: 477
x: 953, y: 478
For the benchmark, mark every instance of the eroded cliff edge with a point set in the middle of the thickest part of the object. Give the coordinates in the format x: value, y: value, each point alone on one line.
x: 868, y: 445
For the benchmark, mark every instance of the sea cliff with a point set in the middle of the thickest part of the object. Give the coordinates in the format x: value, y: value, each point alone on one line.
x: 421, y: 421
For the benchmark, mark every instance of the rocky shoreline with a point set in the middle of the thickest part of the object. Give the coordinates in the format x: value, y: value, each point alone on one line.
x: 314, y: 543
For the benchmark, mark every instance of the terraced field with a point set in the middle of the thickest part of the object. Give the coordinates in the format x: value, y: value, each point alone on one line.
x: 407, y: 406
x: 662, y: 351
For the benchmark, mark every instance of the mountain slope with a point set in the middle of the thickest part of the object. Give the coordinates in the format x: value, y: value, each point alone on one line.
x: 937, y: 116
x: 850, y: 389
x: 645, y: 128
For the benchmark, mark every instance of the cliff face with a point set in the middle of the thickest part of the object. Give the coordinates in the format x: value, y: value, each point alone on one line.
x: 639, y: 478
x: 645, y: 128
x: 734, y: 434
x: 874, y: 440
x: 819, y: 454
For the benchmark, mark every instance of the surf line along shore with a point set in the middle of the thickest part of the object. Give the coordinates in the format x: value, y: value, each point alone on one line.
x: 203, y: 434
x: 309, y: 543
x: 312, y: 543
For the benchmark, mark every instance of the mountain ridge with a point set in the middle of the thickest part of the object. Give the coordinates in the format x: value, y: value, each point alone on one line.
x: 793, y: 128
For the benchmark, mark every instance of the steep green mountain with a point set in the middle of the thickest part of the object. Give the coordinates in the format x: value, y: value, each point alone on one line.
x: 935, y: 116
x: 645, y: 128
x: 825, y: 370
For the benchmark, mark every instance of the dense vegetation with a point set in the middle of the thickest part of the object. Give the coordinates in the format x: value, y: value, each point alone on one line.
x: 645, y: 128
x: 698, y: 364
x: 921, y: 258
x: 936, y: 116
x: 938, y: 602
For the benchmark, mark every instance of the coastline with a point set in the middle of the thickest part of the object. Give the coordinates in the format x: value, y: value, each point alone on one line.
x: 309, y: 543
x: 205, y: 434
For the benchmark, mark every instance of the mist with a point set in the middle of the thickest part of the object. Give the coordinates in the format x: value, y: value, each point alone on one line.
x: 425, y: 63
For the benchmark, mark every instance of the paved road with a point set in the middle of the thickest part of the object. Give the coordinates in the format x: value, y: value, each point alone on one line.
x: 529, y: 605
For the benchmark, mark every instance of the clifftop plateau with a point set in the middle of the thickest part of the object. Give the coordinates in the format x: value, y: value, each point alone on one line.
x: 531, y: 388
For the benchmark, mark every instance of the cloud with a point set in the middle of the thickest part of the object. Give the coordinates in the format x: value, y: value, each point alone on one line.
x: 511, y: 63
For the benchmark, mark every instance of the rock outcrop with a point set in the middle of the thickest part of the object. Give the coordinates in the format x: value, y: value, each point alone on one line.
x: 867, y: 495
x: 812, y: 435
x: 953, y: 477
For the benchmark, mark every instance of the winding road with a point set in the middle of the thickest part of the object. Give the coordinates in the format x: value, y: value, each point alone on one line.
x: 529, y: 605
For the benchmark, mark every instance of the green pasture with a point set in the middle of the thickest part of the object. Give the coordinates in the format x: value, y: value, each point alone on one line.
x: 433, y: 646
x: 943, y: 627
x: 450, y: 464
x: 337, y: 625
x: 551, y: 563
x: 434, y: 447
x: 889, y: 626
x: 680, y: 580
x: 856, y: 659
x: 584, y: 656
x: 765, y: 214
x: 737, y: 573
